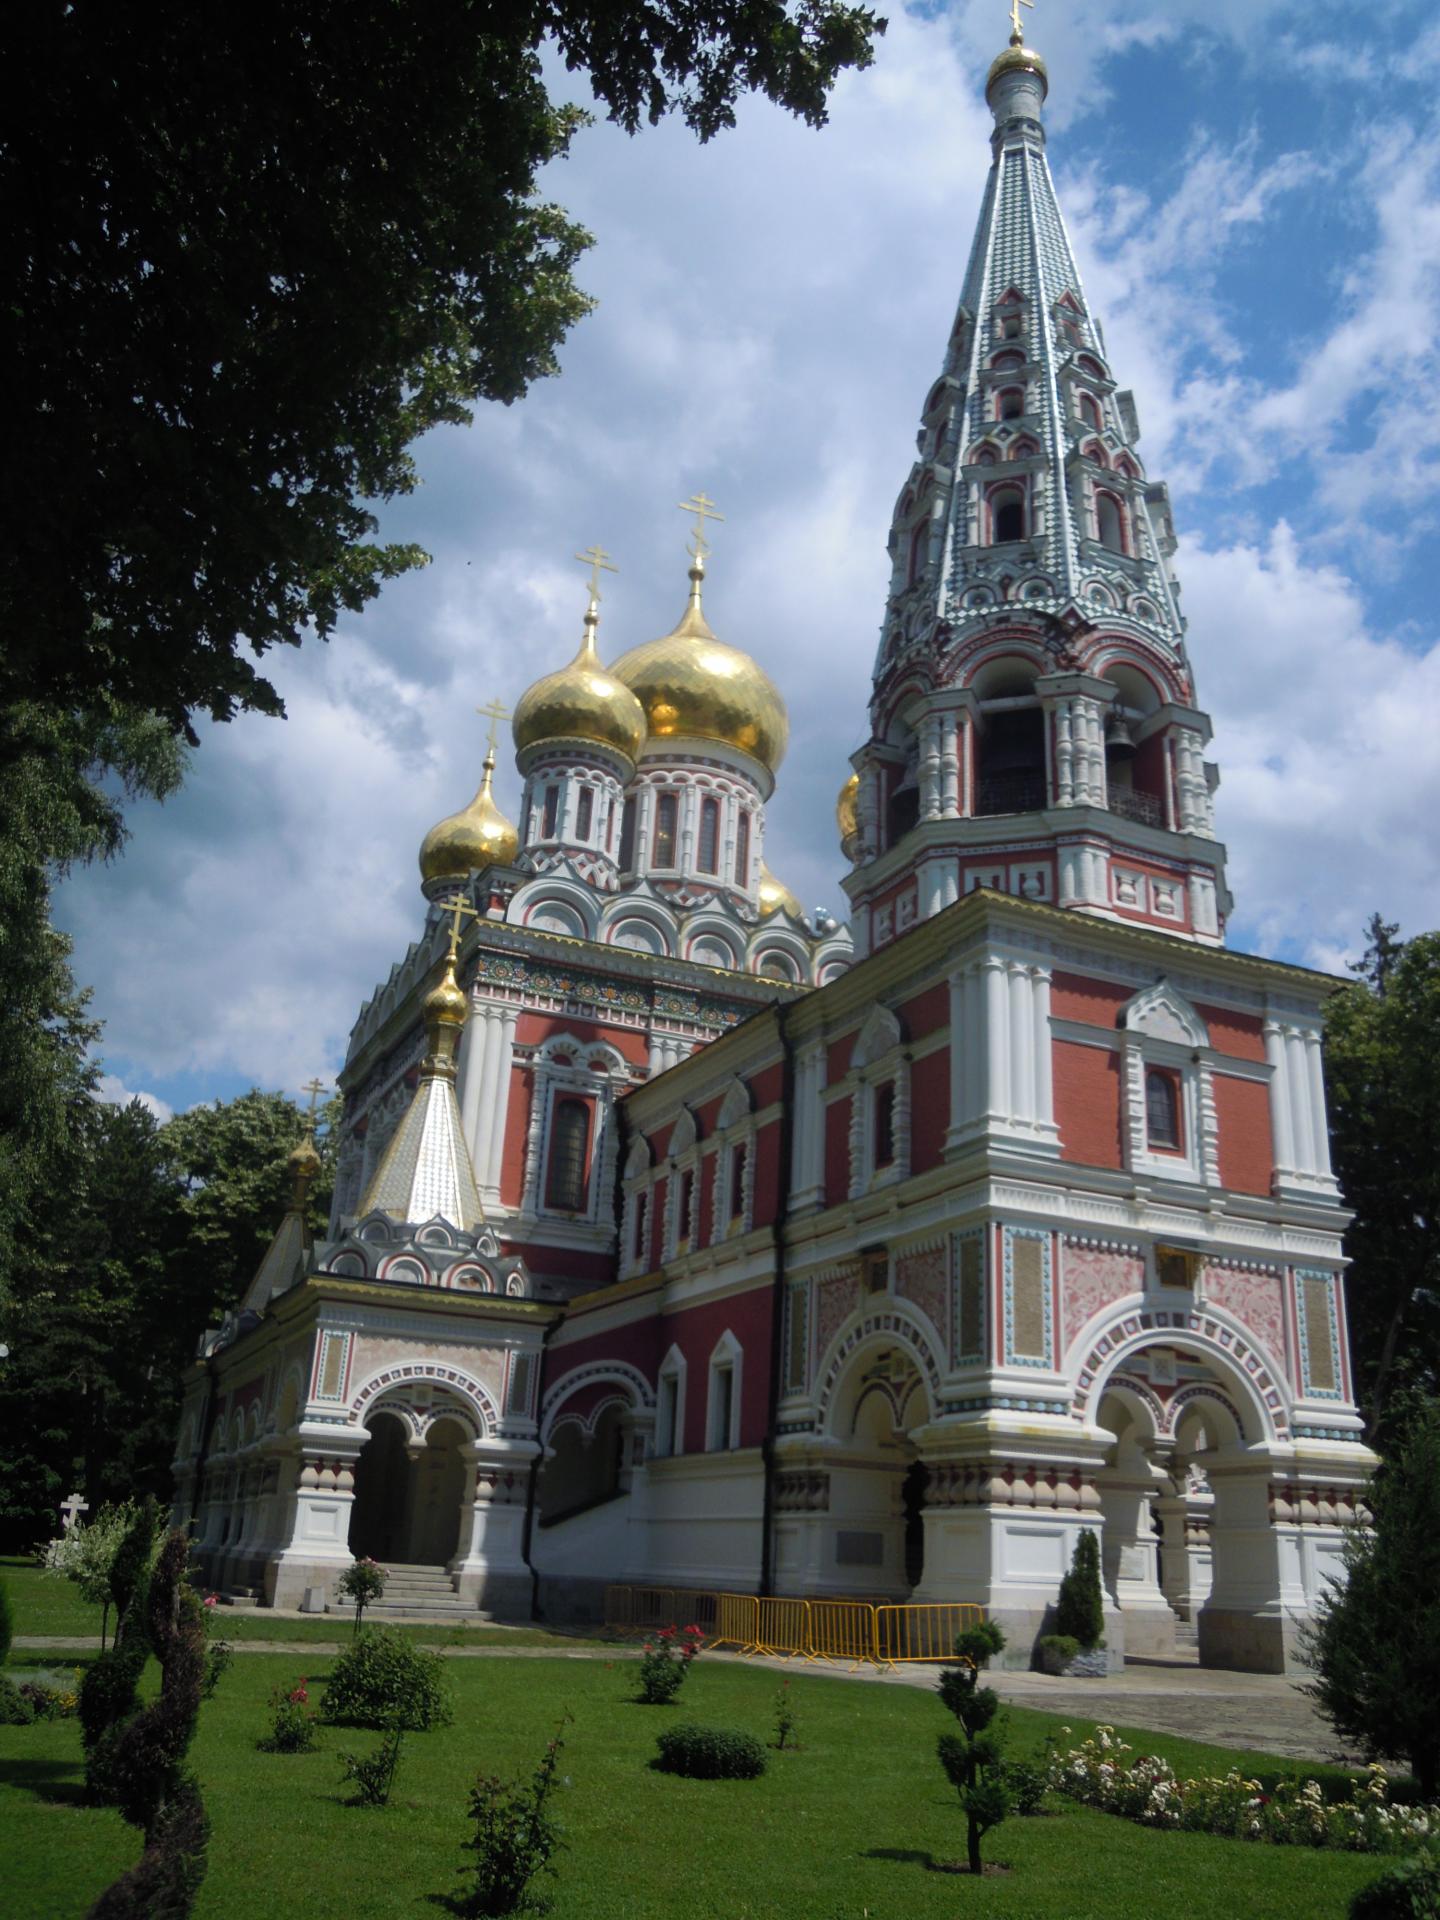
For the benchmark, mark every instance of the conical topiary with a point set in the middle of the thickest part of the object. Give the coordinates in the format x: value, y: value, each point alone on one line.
x: 1080, y: 1609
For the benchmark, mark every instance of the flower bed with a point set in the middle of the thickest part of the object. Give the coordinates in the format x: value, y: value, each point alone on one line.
x: 1107, y: 1773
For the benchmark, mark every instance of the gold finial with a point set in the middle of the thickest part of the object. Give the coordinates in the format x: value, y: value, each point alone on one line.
x: 458, y: 908
x: 596, y: 559
x: 703, y: 508
x: 1017, y: 32
x: 494, y: 713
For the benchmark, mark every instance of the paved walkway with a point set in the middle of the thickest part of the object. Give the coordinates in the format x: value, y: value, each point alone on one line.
x: 1264, y: 1712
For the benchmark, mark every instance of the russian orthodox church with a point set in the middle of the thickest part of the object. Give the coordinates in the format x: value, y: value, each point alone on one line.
x: 681, y: 1237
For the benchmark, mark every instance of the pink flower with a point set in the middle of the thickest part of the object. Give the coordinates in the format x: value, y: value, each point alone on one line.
x: 212, y: 1599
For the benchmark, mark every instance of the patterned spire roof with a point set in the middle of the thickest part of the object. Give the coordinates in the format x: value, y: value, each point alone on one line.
x: 1026, y: 396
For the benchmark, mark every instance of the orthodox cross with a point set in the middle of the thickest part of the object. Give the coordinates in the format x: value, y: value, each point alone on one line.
x: 596, y: 558
x: 71, y: 1510
x: 457, y: 909
x: 1015, y: 6
x: 314, y: 1088
x: 703, y: 508
x: 494, y: 713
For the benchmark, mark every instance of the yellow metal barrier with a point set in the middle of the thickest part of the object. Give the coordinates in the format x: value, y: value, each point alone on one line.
x: 922, y: 1632
x: 784, y: 1627
x: 842, y: 1630
x: 737, y: 1622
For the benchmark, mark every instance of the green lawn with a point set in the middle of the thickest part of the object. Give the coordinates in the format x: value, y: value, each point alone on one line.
x: 844, y: 1830
x: 44, y: 1604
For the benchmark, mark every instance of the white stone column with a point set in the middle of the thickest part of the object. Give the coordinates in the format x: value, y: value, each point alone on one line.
x: 997, y: 1040
x: 1316, y: 1076
x: 867, y: 811
x: 1297, y: 1080
x: 489, y: 1567
x: 502, y: 1046
x: 316, y: 1516
x: 1063, y: 722
x: 964, y: 755
x: 472, y: 1071
x: 1044, y: 1058
x: 1282, y: 1138
x: 1022, y: 1046
x: 929, y: 767
x: 487, y: 1014
x: 808, y: 1152
x: 949, y: 766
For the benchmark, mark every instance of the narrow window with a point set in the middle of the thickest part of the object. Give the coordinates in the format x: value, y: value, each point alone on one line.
x: 709, y: 836
x: 609, y: 826
x: 1009, y: 511
x: 722, y: 1406
x: 669, y: 1405
x: 666, y: 811
x: 885, y: 1125
x: 638, y: 1248
x: 742, y: 849
x: 1090, y: 411
x: 1010, y: 326
x: 627, y: 835
x: 919, y: 540
x: 1162, y: 1109
x: 1012, y: 404
x: 552, y: 813
x: 737, y: 1183
x: 584, y: 813
x: 569, y: 1139
x: 1109, y: 522
x: 687, y: 1204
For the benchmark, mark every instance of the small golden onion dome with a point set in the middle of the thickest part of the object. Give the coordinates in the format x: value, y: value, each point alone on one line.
x: 478, y: 836
x: 445, y: 1005
x: 304, y: 1161
x: 1018, y: 58
x: 847, y: 808
x: 692, y: 685
x: 582, y: 701
x: 775, y: 896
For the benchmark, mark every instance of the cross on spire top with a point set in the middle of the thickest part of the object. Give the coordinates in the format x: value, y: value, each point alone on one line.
x: 704, y: 508
x: 314, y: 1088
x: 494, y: 713
x: 457, y: 908
x: 1018, y: 31
x: 597, y: 560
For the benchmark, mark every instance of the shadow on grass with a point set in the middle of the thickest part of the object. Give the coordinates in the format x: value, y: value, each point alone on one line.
x: 60, y: 1783
x: 912, y: 1857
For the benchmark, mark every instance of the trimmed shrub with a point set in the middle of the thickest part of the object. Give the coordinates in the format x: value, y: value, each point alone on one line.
x: 1055, y: 1651
x: 163, y: 1883
x: 1410, y: 1890
x: 382, y: 1681
x: 15, y: 1709
x: 108, y: 1692
x: 711, y: 1753
x: 972, y: 1759
x: 1080, y: 1608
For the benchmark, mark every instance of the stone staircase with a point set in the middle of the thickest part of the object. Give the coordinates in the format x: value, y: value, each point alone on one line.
x: 411, y: 1590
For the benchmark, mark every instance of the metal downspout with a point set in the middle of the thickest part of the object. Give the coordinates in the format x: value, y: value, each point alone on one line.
x: 777, y: 1309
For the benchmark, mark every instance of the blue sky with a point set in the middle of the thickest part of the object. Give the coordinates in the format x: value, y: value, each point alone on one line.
x: 1253, y: 189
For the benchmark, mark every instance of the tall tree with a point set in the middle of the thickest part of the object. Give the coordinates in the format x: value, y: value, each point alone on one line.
x: 254, y: 251
x: 1383, y: 1071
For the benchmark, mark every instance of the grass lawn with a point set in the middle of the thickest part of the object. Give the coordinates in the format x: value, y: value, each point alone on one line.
x: 43, y: 1603
x: 845, y: 1829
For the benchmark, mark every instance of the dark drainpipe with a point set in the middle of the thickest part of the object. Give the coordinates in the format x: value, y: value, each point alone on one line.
x: 777, y: 1304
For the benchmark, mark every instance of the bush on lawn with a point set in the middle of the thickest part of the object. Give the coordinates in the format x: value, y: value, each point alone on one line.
x: 292, y: 1725
x: 1080, y: 1608
x: 1410, y: 1890
x: 515, y: 1837
x: 973, y: 1763
x: 163, y: 1883
x: 374, y: 1773
x: 711, y: 1753
x: 15, y: 1709
x: 1027, y: 1785
x: 665, y: 1662
x: 382, y: 1680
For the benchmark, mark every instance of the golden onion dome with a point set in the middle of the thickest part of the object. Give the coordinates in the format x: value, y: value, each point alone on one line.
x: 776, y: 897
x: 847, y: 808
x: 582, y: 701
x: 478, y: 836
x: 1018, y: 58
x: 445, y: 1005
x: 692, y: 685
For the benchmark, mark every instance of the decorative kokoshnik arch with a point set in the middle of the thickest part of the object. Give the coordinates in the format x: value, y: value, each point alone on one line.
x: 875, y: 1325
x: 1242, y: 1365
x: 475, y: 1398
x: 637, y: 1393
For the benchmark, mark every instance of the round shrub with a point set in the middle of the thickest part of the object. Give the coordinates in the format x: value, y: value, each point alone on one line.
x: 15, y: 1709
x: 1410, y: 1890
x: 382, y: 1680
x: 711, y: 1753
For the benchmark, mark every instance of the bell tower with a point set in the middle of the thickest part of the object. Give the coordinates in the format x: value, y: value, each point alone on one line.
x: 1033, y: 719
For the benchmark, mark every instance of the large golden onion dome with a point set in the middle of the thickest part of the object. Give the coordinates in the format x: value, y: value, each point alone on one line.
x: 478, y: 836
x: 775, y: 896
x: 847, y: 809
x: 582, y: 701
x: 692, y: 685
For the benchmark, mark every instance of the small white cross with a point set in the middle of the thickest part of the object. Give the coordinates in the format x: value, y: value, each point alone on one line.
x: 71, y: 1510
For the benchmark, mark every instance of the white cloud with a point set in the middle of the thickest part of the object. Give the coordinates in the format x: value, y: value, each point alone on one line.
x: 115, y: 1094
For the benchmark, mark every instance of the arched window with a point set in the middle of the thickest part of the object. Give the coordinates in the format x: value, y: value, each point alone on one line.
x: 584, y: 813
x: 1008, y: 359
x: 1162, y: 1109
x: 1010, y: 403
x: 1007, y: 515
x: 709, y: 836
x: 1110, y: 522
x: 1093, y: 368
x: 627, y: 835
x: 919, y: 536
x: 884, y: 1134
x: 667, y: 808
x: 1090, y: 411
x: 566, y: 1180
x: 1094, y: 451
x: 742, y: 849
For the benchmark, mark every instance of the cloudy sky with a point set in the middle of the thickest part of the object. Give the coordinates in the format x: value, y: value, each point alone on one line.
x: 1253, y: 188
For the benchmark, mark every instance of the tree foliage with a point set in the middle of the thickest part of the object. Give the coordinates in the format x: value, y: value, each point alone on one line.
x: 1383, y: 1071
x: 1080, y: 1606
x: 161, y: 1230
x: 1374, y: 1645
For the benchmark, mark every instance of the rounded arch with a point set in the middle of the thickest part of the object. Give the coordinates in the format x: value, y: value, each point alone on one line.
x: 870, y: 1329
x: 1247, y: 1378
x: 553, y: 896
x: 454, y: 1382
x: 599, y: 1373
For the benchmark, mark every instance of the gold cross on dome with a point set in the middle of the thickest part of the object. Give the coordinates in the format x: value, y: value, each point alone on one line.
x: 1015, y: 6
x: 596, y: 558
x: 703, y: 508
x: 458, y: 908
x: 314, y: 1088
x: 494, y: 713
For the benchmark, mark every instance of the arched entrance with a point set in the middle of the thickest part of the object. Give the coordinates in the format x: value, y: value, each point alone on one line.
x: 876, y: 1532
x: 409, y: 1494
x: 583, y: 1465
